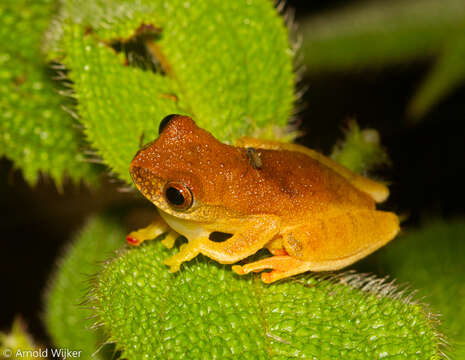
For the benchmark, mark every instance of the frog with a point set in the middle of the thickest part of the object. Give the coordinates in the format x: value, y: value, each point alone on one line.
x: 310, y: 212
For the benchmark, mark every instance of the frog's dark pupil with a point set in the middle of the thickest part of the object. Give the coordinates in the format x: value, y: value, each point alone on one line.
x: 165, y: 122
x: 174, y: 196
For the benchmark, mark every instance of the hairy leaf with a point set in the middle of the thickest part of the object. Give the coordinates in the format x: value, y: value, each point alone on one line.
x: 375, y: 33
x: 66, y: 317
x: 447, y: 74
x: 18, y: 339
x: 206, y: 311
x: 361, y: 150
x: 35, y: 132
x: 372, y: 34
x: 226, y: 63
x: 435, y: 266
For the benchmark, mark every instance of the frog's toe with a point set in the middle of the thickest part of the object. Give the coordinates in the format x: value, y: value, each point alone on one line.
x: 173, y: 263
x: 186, y: 252
x: 272, y: 276
x: 282, y: 266
x: 133, y: 240
x: 238, y: 269
x: 170, y: 239
x: 245, y: 269
x: 267, y: 277
x: 174, y: 268
x: 255, y: 266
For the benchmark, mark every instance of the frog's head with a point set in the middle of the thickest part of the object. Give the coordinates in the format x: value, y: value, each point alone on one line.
x: 179, y: 171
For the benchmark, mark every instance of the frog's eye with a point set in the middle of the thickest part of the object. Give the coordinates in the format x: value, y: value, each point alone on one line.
x: 165, y: 122
x: 178, y: 195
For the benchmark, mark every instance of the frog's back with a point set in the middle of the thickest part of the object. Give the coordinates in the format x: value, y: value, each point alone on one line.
x: 288, y: 184
x: 241, y: 180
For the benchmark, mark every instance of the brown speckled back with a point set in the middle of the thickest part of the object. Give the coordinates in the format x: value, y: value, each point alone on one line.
x: 288, y: 184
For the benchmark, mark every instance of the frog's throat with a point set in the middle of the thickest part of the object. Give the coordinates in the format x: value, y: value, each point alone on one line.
x: 188, y: 228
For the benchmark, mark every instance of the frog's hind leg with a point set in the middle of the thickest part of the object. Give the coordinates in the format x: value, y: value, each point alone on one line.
x: 336, y: 240
x: 282, y: 266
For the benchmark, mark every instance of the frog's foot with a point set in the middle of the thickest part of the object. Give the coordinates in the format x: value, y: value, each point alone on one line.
x: 156, y: 228
x: 282, y: 266
x: 186, y: 252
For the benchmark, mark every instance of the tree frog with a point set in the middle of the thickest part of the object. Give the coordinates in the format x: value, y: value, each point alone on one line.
x: 311, y: 213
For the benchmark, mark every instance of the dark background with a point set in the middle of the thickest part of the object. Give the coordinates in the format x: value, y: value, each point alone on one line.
x: 426, y: 172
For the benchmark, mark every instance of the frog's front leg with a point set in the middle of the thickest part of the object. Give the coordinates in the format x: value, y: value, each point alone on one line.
x: 249, y: 235
x: 186, y: 252
x: 155, y: 229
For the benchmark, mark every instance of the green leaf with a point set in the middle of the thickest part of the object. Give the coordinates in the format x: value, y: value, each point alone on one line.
x: 18, y: 339
x: 447, y: 74
x: 226, y: 63
x: 206, y: 311
x: 361, y: 150
x: 68, y: 320
x: 375, y: 33
x: 35, y: 132
x: 435, y: 266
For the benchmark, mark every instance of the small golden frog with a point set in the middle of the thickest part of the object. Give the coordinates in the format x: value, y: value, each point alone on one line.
x: 310, y: 212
